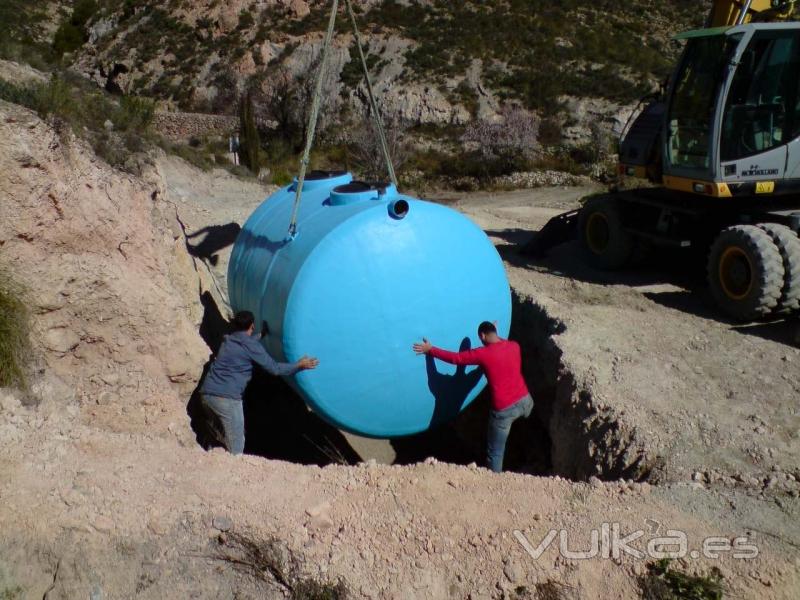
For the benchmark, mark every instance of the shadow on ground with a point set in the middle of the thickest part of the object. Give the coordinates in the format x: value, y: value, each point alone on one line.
x: 675, y: 268
x: 212, y: 239
x: 463, y: 441
x: 277, y: 423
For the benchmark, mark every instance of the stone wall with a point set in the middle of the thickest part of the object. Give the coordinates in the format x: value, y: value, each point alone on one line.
x: 180, y: 126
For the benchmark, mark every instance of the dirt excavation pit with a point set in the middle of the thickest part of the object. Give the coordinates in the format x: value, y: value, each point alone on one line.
x: 625, y: 367
x: 566, y: 435
x: 279, y: 426
x: 570, y: 434
x: 586, y: 439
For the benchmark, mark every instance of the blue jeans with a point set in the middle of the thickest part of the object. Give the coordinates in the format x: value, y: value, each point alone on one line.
x: 500, y: 422
x: 225, y: 421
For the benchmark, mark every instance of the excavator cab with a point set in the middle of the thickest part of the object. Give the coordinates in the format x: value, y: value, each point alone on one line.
x: 730, y: 124
x: 723, y: 143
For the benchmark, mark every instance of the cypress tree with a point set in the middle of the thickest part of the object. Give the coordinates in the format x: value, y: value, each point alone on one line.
x: 250, y: 142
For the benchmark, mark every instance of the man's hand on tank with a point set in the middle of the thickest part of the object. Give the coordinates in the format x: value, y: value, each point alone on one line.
x: 423, y: 348
x: 306, y: 363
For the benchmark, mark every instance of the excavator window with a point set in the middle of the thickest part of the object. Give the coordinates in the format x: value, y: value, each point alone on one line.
x: 694, y: 99
x: 761, y: 111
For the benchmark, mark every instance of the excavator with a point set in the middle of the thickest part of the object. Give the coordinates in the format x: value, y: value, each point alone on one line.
x: 720, y: 147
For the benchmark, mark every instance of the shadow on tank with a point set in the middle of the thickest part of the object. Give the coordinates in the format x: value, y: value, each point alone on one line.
x: 461, y: 438
x: 450, y: 391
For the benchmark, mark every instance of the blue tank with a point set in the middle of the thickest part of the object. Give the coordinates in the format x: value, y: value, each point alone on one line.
x: 369, y: 272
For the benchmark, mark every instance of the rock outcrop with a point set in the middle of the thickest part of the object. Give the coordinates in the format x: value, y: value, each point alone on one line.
x: 203, y: 54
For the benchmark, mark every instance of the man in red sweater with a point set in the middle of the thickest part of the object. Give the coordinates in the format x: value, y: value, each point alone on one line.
x: 502, y: 363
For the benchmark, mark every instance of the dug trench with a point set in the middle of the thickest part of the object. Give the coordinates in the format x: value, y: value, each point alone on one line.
x: 568, y: 434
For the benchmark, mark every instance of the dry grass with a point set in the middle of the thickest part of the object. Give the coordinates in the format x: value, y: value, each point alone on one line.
x: 266, y: 560
x: 14, y: 332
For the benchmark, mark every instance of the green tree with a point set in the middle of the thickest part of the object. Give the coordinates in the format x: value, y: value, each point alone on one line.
x: 73, y: 33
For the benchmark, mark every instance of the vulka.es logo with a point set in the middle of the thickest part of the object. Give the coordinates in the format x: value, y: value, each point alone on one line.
x: 609, y: 542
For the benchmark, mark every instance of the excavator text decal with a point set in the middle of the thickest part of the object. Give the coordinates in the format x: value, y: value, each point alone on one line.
x: 754, y: 171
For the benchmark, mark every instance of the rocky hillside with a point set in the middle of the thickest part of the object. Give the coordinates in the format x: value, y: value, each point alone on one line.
x: 109, y: 282
x: 435, y: 62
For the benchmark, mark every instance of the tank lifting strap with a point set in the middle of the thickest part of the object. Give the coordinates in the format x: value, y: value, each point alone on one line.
x: 373, y: 104
x: 315, y: 108
x: 312, y: 119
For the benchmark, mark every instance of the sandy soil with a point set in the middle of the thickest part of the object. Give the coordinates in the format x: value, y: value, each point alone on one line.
x: 110, y: 497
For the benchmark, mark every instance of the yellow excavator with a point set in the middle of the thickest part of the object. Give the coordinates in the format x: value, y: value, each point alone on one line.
x: 721, y: 144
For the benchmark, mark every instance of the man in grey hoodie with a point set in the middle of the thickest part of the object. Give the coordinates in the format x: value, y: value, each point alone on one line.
x: 222, y: 390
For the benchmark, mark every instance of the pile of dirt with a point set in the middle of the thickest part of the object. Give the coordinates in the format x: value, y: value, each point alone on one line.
x: 112, y: 287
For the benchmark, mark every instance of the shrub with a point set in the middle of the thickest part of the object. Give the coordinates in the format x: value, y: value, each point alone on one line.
x: 281, y: 177
x: 12, y: 593
x: 193, y: 156
x: 14, y: 332
x: 246, y: 20
x: 467, y: 96
x: 74, y: 103
x: 22, y: 29
x: 26, y: 96
x: 134, y: 114
x: 54, y: 99
x: 72, y: 33
x: 662, y: 582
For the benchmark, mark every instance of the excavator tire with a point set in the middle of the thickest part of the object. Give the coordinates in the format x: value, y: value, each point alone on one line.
x: 745, y: 272
x: 606, y: 245
x: 789, y: 246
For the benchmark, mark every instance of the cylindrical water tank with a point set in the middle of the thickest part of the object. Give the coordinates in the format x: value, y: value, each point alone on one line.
x: 370, y: 272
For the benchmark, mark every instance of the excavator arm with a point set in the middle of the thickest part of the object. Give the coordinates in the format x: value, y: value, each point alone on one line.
x: 735, y: 12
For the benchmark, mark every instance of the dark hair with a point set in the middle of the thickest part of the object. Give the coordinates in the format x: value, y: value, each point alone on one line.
x: 243, y: 320
x: 486, y: 328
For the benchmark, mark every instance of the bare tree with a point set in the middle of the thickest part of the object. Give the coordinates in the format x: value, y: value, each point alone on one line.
x: 515, y: 134
x: 330, y: 100
x: 366, y: 153
x: 273, y: 101
x: 226, y: 99
x: 286, y: 99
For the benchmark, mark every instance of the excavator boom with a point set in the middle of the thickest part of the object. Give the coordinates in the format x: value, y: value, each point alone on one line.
x: 725, y: 13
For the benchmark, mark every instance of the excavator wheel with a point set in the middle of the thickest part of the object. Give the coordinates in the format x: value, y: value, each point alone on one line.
x: 745, y: 272
x: 605, y: 243
x: 789, y: 246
